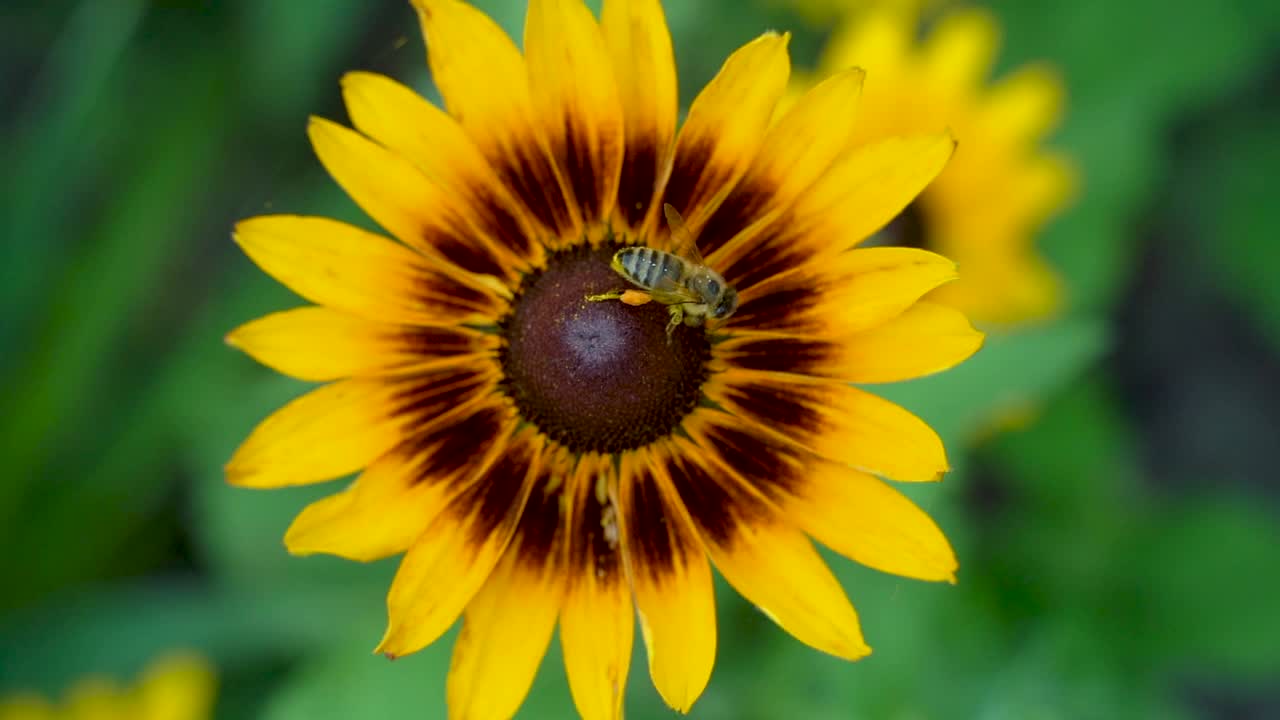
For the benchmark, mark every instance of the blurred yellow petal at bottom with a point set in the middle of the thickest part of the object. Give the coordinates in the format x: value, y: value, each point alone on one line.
x: 180, y: 686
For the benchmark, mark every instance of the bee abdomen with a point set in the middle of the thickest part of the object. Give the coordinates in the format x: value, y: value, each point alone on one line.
x: 646, y: 266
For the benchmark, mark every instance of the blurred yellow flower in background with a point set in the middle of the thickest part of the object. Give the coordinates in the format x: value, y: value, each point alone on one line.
x: 174, y: 687
x: 823, y: 11
x: 986, y: 209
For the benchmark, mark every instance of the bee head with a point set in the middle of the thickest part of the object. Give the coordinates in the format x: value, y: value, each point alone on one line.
x: 727, y: 304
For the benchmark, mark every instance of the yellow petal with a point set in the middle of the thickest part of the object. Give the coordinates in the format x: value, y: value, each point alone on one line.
x: 331, y: 431
x: 397, y: 497
x: 796, y: 152
x: 343, y: 267
x: 851, y: 512
x: 451, y: 560
x: 318, y: 344
x: 467, y: 215
x: 850, y: 292
x: 869, y: 185
x: 508, y: 624
x: 1023, y: 106
x: 799, y: 149
x: 762, y: 556
x: 1045, y: 186
x: 485, y: 86
x: 644, y: 69
x: 177, y: 687
x: 878, y: 40
x: 1034, y: 290
x: 596, y: 626
x: 725, y: 127
x: 378, y: 516
x: 576, y: 102
x: 403, y: 200
x: 671, y: 580
x: 866, y: 520
x: 834, y: 420
x: 957, y: 55
x: 926, y: 338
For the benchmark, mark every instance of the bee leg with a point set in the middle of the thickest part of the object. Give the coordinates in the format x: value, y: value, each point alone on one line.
x: 614, y: 295
x: 677, y: 317
x: 630, y: 297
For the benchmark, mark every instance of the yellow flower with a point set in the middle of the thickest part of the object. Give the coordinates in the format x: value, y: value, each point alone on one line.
x: 985, y: 210
x: 541, y: 458
x: 821, y: 11
x: 177, y: 687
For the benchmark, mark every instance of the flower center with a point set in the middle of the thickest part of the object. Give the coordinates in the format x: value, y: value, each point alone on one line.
x: 597, y: 376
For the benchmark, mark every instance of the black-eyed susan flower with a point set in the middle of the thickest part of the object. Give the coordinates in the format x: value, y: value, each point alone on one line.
x: 175, y: 687
x: 542, y: 459
x: 986, y: 209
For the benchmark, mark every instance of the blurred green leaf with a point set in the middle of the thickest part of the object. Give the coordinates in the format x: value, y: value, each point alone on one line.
x: 348, y: 681
x: 1241, y: 222
x: 116, y: 632
x: 77, y: 357
x: 290, y: 51
x: 1071, y: 493
x: 1079, y: 458
x: 104, y: 286
x: 1204, y: 571
x: 1061, y: 671
x: 44, y: 156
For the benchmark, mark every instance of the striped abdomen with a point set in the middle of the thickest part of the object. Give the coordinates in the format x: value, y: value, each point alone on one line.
x: 647, y: 267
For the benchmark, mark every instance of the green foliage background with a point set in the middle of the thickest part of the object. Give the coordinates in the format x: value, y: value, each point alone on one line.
x: 1120, y: 552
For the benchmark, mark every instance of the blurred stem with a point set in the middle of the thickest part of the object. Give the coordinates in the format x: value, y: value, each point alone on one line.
x: 105, y: 291
x: 133, y: 470
x: 44, y: 152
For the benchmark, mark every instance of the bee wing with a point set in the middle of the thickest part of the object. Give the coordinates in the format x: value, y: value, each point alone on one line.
x: 668, y: 292
x: 682, y: 240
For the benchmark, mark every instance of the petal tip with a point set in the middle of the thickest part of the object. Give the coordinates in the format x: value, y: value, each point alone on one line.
x: 774, y: 37
x: 381, y: 650
x: 978, y: 339
x: 353, y: 77
x: 388, y: 638
x: 855, y: 651
x: 319, y: 127
x: 237, y: 476
x: 242, y: 228
x: 295, y: 542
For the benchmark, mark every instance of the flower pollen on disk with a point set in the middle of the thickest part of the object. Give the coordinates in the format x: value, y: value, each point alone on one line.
x: 987, y: 208
x: 543, y: 459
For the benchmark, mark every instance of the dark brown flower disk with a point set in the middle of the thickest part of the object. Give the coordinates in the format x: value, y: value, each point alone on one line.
x: 597, y: 376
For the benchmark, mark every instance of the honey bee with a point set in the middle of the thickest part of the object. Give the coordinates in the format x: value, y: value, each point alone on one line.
x: 680, y: 280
